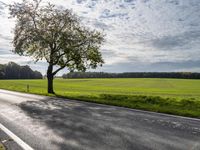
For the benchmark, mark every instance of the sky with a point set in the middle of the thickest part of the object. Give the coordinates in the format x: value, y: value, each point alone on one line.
x: 141, y: 35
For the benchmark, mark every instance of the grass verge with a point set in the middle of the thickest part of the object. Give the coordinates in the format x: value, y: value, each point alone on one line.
x: 2, y: 147
x: 189, y: 107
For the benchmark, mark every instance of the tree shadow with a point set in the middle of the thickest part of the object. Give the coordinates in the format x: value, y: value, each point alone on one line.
x: 88, y: 126
x: 81, y: 125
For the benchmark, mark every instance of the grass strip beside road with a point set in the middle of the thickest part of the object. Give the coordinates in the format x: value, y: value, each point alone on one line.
x: 171, y: 96
x: 2, y: 147
x: 183, y: 107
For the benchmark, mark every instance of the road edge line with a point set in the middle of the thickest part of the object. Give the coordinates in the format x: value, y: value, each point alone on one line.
x: 19, y: 141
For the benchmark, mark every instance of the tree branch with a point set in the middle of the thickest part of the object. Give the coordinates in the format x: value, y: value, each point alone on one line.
x: 62, y: 67
x: 58, y: 58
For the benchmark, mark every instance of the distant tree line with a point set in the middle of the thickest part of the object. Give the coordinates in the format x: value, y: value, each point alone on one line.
x: 181, y: 75
x: 15, y: 71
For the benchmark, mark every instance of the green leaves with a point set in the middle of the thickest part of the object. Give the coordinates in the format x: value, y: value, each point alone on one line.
x: 57, y: 35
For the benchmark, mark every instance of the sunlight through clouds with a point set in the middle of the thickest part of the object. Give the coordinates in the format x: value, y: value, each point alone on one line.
x: 141, y: 33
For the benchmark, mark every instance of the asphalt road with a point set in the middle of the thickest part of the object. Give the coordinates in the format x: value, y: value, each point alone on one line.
x: 56, y: 124
x: 8, y: 142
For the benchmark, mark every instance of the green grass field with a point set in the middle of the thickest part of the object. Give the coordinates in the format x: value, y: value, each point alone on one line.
x: 174, y: 96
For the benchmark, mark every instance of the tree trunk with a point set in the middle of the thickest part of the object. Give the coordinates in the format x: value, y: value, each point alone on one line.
x: 50, y: 79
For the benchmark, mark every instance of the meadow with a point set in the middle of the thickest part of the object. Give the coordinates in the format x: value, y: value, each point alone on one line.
x: 172, y: 96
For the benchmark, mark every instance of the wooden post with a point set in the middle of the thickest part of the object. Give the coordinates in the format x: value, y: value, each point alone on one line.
x: 27, y: 87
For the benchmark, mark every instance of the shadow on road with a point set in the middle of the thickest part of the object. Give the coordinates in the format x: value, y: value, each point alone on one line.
x: 87, y: 126
x: 81, y: 125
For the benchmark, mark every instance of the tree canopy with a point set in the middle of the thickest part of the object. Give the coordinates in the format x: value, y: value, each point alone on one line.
x: 46, y: 32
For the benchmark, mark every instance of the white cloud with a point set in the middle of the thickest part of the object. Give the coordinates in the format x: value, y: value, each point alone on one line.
x: 138, y: 31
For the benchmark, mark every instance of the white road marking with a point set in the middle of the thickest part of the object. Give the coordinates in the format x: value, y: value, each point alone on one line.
x: 21, y: 143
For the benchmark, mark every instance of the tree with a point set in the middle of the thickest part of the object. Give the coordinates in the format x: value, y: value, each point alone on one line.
x: 37, y: 75
x: 46, y: 32
x: 12, y: 71
x: 25, y: 72
x: 2, y: 71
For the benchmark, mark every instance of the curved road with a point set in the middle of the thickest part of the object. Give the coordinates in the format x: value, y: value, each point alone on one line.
x: 47, y: 123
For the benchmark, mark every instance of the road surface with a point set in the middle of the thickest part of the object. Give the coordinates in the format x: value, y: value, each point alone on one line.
x: 46, y: 123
